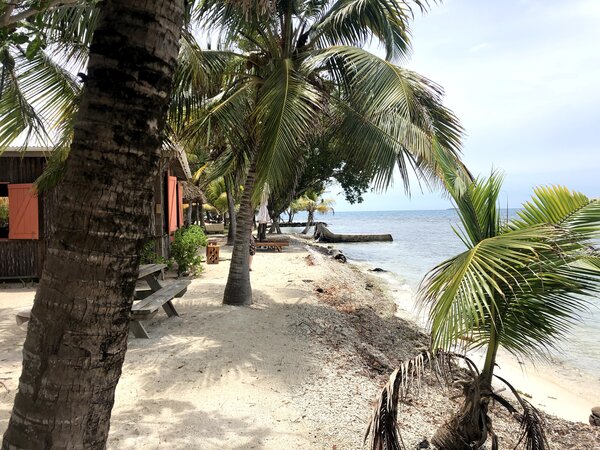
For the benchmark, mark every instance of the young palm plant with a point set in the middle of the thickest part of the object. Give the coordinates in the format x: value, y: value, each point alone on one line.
x: 293, y: 63
x: 518, y: 285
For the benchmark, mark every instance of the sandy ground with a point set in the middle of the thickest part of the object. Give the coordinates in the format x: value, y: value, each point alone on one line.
x: 298, y: 370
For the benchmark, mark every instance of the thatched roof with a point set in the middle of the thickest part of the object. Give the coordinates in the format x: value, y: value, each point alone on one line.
x: 193, y: 193
x: 177, y: 161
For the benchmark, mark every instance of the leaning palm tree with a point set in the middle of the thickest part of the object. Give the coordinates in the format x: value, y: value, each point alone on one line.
x: 518, y: 285
x: 77, y: 336
x: 289, y: 65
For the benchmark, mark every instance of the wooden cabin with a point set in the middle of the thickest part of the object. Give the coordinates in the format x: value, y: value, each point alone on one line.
x: 23, y: 237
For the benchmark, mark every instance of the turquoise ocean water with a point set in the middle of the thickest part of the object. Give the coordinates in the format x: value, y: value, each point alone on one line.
x: 423, y: 239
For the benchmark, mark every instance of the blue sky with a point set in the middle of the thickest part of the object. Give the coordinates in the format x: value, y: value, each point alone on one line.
x: 524, y: 78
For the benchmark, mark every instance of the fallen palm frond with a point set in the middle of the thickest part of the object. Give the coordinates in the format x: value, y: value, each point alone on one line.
x: 383, y: 428
x: 532, y: 424
x: 383, y: 432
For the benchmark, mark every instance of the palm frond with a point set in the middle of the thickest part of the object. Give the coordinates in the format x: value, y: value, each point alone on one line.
x: 50, y: 87
x: 356, y: 22
x: 382, y: 431
x: 532, y: 423
x: 561, y: 206
x: 200, y: 74
x: 285, y: 113
x: 68, y: 31
x: 223, y: 117
x: 233, y: 19
x: 525, y: 283
x: 18, y: 115
x: 463, y: 290
x: 397, y: 110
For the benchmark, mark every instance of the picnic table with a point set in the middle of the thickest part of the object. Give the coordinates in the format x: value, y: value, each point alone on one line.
x: 149, y: 300
x: 158, y: 296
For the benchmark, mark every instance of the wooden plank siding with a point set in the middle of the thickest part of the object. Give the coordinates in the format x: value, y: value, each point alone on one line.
x: 19, y: 259
x: 21, y: 170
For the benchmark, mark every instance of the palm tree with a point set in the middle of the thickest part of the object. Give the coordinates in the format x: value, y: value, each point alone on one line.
x: 312, y: 203
x: 216, y: 195
x: 518, y: 285
x: 290, y: 64
x: 77, y: 337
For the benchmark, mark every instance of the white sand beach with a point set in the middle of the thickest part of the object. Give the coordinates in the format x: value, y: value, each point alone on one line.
x: 299, y: 369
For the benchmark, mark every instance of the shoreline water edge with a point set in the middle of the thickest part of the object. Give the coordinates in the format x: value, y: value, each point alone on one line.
x: 555, y: 386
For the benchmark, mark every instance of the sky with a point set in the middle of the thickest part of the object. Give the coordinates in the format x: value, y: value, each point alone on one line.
x: 523, y: 76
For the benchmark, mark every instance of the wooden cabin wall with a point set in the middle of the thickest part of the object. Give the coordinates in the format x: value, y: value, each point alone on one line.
x: 24, y: 258
x: 21, y: 170
x: 19, y: 259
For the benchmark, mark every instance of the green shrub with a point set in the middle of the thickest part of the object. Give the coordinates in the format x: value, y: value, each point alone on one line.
x: 3, y: 212
x: 185, y: 246
x: 149, y: 256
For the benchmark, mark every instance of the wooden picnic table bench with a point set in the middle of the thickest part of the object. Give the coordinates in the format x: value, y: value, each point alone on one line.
x: 277, y: 245
x: 151, y: 301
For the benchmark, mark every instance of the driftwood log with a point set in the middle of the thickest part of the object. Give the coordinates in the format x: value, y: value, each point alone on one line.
x: 322, y: 234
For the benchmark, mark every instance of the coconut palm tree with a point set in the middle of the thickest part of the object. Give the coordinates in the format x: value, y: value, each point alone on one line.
x: 297, y: 61
x: 216, y: 195
x: 312, y: 203
x: 77, y: 336
x: 518, y: 285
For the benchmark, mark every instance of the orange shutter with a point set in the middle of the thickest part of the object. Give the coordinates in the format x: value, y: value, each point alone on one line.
x: 180, y: 203
x: 172, y: 203
x: 23, y: 220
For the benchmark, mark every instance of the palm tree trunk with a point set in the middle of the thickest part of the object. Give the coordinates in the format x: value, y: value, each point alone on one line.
x: 238, y: 290
x: 231, y: 210
x: 309, y: 222
x: 77, y: 336
x: 201, y: 213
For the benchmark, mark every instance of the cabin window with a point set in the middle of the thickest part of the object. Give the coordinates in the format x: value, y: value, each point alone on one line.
x: 3, y: 211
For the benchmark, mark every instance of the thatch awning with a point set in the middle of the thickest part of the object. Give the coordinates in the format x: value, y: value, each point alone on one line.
x: 178, y: 161
x: 192, y: 193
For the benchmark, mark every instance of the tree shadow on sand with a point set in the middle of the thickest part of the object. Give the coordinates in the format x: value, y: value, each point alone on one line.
x: 214, y: 346
x: 175, y: 424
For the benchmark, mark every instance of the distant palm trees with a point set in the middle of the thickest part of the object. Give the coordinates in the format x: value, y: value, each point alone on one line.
x: 519, y: 285
x: 312, y: 203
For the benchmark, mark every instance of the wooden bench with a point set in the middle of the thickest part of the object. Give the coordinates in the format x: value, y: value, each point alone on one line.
x: 277, y: 245
x: 146, y: 309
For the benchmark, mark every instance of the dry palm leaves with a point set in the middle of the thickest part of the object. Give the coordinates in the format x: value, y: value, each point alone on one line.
x: 472, y: 420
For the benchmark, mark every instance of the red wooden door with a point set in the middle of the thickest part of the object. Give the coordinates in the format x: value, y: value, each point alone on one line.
x: 23, y: 218
x: 172, y: 203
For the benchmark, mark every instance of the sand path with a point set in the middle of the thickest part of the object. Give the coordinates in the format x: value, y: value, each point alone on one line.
x: 220, y: 377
